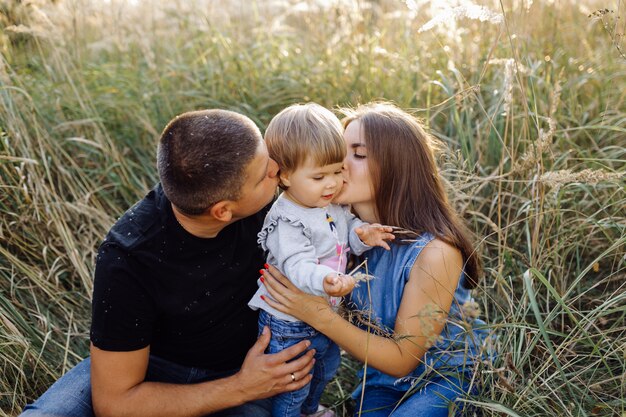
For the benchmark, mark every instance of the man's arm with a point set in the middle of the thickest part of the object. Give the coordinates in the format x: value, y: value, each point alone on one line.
x: 118, y: 386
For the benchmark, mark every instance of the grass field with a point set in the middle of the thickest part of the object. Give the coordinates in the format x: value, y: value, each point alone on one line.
x: 530, y: 97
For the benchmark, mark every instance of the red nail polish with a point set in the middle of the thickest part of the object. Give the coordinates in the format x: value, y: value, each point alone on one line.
x: 262, y: 280
x: 266, y: 266
x: 263, y: 298
x: 261, y: 271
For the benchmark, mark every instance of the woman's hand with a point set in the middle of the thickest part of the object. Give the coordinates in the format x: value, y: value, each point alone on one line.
x: 287, y: 298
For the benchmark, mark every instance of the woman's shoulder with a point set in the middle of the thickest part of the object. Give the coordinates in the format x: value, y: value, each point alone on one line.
x: 438, y: 250
x: 441, y: 245
x: 439, y: 257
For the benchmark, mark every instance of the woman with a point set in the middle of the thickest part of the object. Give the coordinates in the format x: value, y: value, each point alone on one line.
x: 417, y: 340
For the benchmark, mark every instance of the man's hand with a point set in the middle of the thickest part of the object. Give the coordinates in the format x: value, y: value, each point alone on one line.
x: 375, y: 235
x: 119, y: 388
x: 338, y: 285
x: 265, y: 375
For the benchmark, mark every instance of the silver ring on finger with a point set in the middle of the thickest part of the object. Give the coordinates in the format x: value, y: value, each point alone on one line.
x: 293, y: 377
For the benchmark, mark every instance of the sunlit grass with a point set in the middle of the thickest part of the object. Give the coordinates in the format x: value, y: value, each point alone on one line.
x: 533, y: 109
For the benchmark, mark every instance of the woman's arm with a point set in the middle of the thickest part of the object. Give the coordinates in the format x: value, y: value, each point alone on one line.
x: 423, y: 310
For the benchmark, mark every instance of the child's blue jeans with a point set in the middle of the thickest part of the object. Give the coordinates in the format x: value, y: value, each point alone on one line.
x: 70, y: 396
x: 327, y: 359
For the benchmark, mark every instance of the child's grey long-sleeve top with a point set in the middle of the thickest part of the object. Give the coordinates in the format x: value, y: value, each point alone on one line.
x: 301, y: 244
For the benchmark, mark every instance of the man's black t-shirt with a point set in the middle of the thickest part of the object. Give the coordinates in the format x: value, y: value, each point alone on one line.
x: 158, y: 285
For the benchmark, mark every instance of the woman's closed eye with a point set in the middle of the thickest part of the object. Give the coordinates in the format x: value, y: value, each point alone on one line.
x: 359, y: 156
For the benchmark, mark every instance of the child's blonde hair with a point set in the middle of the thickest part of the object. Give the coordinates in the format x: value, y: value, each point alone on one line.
x: 305, y: 130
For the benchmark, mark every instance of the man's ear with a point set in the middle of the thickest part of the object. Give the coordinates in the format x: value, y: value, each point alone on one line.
x: 222, y: 210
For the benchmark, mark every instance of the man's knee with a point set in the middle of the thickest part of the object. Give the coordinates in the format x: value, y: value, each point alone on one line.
x: 70, y: 396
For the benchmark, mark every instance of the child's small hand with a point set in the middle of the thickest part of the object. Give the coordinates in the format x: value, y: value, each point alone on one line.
x: 375, y: 235
x: 338, y: 285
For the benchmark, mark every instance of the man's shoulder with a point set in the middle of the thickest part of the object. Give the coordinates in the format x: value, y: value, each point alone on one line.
x: 140, y: 222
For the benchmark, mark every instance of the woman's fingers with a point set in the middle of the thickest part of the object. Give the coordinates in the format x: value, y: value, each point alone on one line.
x: 279, y: 286
x: 287, y: 298
x: 276, y: 290
x: 278, y: 276
x: 280, y: 306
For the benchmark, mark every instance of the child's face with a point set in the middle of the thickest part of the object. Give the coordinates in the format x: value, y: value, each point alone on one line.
x: 313, y: 186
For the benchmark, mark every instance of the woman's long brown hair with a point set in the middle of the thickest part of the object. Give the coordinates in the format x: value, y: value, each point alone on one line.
x: 408, y: 189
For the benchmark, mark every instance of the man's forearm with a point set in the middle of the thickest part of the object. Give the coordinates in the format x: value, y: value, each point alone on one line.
x: 118, y: 386
x: 172, y: 400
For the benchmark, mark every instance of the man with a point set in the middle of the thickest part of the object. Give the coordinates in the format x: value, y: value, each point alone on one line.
x: 170, y: 324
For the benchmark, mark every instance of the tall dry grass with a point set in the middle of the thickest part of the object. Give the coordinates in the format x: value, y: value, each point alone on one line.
x: 529, y: 96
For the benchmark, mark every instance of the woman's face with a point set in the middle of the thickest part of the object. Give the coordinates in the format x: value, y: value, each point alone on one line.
x: 357, y: 189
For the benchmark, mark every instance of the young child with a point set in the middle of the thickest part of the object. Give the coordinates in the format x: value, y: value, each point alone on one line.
x: 308, y: 238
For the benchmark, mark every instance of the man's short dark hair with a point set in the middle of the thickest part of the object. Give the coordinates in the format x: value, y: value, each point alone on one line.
x: 202, y: 157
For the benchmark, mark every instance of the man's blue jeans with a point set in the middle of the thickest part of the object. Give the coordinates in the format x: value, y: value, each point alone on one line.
x: 70, y: 396
x: 327, y: 359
